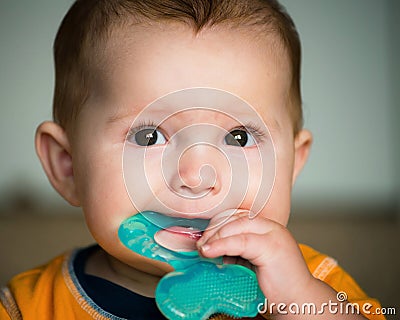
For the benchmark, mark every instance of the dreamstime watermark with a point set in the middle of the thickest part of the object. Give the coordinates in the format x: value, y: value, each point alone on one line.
x: 340, y: 306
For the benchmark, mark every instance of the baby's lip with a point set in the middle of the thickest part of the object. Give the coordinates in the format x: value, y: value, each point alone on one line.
x: 178, y: 238
x: 189, y: 232
x: 210, y: 215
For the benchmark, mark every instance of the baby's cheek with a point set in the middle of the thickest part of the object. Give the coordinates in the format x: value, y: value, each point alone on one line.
x: 268, y: 194
x: 278, y: 206
x: 257, y: 190
x: 106, y: 205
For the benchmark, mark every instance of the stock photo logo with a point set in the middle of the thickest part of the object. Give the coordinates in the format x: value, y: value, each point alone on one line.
x: 192, y: 160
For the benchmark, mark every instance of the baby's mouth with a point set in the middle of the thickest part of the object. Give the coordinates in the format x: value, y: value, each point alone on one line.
x: 178, y: 238
x: 181, y: 234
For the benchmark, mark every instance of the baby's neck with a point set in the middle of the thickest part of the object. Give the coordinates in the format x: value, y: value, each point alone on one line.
x: 101, y: 264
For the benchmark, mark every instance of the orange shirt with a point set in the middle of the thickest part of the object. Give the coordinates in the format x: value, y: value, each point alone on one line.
x: 52, y: 292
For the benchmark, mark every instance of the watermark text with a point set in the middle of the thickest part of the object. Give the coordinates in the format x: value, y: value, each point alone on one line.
x: 340, y: 306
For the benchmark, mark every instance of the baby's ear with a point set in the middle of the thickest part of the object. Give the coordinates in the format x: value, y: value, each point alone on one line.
x: 302, y: 146
x: 54, y: 151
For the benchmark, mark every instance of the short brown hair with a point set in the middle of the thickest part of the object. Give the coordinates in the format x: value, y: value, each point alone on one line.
x: 88, y: 24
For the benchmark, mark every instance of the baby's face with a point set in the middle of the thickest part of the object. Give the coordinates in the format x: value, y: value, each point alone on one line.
x: 179, y: 156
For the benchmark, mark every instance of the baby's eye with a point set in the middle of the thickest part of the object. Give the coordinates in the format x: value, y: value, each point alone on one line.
x: 239, y: 138
x: 148, y: 137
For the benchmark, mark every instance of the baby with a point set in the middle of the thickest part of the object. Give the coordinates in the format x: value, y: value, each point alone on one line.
x: 189, y: 108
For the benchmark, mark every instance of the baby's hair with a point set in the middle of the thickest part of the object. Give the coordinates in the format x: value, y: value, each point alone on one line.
x: 81, y: 40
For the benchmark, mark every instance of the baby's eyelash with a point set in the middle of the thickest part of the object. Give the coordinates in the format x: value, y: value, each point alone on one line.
x: 141, y: 125
x: 255, y: 130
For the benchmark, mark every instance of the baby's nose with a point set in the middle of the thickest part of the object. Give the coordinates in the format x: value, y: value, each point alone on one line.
x: 198, y: 172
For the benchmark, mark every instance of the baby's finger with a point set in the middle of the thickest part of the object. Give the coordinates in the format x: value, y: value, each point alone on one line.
x: 238, y: 226
x: 220, y: 220
x: 245, y: 245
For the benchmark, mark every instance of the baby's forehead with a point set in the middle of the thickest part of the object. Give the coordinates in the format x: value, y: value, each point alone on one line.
x: 153, y: 49
x: 144, y: 64
x: 129, y: 40
x: 200, y: 100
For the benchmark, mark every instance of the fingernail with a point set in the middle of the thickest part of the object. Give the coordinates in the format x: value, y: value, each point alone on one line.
x: 205, y: 248
x: 201, y: 241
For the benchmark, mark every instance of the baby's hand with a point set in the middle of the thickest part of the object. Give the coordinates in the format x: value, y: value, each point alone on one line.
x: 281, y: 270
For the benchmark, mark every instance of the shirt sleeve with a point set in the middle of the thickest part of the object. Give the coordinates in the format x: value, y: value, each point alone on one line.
x: 8, y: 306
x: 327, y: 270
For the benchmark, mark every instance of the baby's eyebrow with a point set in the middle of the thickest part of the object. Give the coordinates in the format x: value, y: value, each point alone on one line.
x: 119, y: 115
x: 273, y: 125
x: 129, y: 114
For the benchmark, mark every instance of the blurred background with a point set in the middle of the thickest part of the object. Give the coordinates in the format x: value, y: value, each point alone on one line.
x: 347, y: 200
